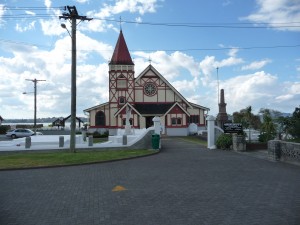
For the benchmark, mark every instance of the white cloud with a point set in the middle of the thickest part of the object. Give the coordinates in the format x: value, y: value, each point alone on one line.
x: 209, y: 64
x: 138, y: 19
x: 52, y: 27
x: 82, y: 1
x: 108, y: 10
x: 256, y: 65
x: 2, y: 10
x: 54, y: 66
x: 48, y: 3
x: 292, y: 90
x: 30, y: 26
x: 30, y: 13
x: 233, y: 52
x: 133, y: 6
x: 255, y: 89
x: 171, y: 66
x: 277, y: 14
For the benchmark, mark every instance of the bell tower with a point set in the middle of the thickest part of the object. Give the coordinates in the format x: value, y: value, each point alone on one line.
x: 121, y: 76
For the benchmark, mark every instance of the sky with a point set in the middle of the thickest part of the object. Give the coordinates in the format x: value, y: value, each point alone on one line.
x: 248, y: 48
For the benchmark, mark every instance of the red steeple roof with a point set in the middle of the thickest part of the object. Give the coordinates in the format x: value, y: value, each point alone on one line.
x: 121, y: 54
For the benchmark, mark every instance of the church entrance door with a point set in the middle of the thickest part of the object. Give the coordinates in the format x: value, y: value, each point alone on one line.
x: 149, y: 122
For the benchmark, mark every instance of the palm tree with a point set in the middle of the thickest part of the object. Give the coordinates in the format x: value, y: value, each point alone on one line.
x: 268, y: 127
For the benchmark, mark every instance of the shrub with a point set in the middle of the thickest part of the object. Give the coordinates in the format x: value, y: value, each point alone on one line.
x: 97, y: 134
x: 224, y: 141
x: 4, y: 129
x: 265, y: 137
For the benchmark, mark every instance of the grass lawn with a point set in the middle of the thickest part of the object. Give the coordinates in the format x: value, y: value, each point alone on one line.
x: 27, y: 160
x: 195, y: 139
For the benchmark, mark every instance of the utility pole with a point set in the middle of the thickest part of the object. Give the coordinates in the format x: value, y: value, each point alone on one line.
x: 73, y: 17
x: 35, y: 92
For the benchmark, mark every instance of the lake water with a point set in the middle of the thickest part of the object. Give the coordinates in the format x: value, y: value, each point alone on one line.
x: 45, y: 125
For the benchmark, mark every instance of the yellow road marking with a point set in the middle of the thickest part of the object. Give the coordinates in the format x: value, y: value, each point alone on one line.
x: 118, y: 188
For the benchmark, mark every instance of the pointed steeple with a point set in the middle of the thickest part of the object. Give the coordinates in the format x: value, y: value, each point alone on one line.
x: 121, y: 55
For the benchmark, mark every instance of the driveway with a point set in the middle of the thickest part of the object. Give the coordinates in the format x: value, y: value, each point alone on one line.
x: 186, y: 184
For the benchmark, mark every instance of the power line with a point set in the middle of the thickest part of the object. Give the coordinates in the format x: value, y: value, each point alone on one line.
x: 168, y: 50
x: 212, y: 25
x: 241, y: 25
x: 32, y: 8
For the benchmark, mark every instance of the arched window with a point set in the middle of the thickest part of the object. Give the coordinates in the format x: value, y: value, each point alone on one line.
x: 100, y: 119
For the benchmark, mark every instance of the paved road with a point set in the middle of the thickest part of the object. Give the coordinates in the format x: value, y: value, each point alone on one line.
x: 185, y: 184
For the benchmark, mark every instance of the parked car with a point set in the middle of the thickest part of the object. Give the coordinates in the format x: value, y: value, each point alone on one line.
x: 20, y: 132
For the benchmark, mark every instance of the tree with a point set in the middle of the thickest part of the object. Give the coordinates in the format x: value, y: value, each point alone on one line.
x: 247, y: 119
x: 268, y: 127
x: 295, y: 123
x: 284, y: 126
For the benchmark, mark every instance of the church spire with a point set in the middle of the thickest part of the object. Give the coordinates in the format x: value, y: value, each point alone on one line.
x: 121, y: 55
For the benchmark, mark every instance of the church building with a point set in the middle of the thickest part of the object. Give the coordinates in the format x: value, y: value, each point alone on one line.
x: 147, y: 95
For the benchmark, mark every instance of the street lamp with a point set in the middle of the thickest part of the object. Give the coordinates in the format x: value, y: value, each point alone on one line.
x: 73, y: 17
x: 73, y: 85
x: 35, y: 92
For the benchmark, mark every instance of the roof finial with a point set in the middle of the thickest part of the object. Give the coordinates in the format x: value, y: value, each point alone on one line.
x: 149, y: 60
x: 120, y: 23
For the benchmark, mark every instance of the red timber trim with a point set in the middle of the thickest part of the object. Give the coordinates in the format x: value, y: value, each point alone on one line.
x: 176, y: 110
x: 99, y: 127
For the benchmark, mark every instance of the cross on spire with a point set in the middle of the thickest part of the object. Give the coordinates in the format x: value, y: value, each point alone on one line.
x: 120, y: 23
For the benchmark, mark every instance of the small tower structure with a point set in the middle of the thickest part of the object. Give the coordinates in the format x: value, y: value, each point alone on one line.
x: 222, y: 115
x: 121, y: 78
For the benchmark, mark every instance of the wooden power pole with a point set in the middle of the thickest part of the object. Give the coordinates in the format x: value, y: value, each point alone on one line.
x: 73, y: 16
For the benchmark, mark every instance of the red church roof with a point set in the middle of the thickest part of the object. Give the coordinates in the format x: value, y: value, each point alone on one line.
x: 121, y: 54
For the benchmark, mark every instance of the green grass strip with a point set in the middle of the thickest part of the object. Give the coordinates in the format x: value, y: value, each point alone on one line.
x: 28, y: 160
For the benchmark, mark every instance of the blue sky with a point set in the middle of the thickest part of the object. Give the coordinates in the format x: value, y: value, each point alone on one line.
x: 255, y: 44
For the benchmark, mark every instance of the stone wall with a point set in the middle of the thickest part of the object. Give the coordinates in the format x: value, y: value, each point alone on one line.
x: 284, y: 151
x: 238, y: 143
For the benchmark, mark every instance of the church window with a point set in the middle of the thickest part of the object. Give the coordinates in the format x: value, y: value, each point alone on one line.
x: 122, y: 82
x: 122, y: 100
x: 194, y: 119
x: 124, y: 121
x: 150, y: 89
x: 176, y: 121
x: 100, y: 119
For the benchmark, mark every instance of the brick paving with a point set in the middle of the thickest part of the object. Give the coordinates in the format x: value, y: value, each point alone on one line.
x: 185, y: 184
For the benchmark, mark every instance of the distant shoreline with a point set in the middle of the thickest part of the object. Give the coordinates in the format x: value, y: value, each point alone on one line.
x: 38, y: 121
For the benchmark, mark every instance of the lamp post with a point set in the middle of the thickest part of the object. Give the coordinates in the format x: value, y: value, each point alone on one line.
x: 73, y: 16
x: 35, y: 92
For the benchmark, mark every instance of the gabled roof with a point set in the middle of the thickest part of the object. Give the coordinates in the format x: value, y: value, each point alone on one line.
x: 121, y: 55
x: 124, y: 107
x: 176, y: 104
x: 95, y: 107
x: 199, y: 106
x: 150, y: 67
